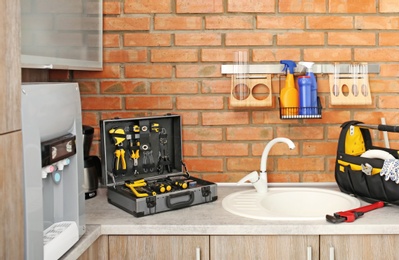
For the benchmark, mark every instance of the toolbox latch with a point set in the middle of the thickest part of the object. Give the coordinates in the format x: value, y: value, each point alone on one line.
x: 151, y: 201
x: 206, y: 191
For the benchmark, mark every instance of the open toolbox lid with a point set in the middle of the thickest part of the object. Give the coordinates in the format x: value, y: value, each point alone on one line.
x: 152, y: 148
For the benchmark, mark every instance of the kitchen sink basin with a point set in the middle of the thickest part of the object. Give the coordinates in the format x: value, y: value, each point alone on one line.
x: 289, y: 204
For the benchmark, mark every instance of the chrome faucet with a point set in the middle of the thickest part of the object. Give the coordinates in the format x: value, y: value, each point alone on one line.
x: 260, y: 180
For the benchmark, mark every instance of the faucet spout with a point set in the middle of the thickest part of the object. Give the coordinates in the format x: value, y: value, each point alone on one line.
x: 265, y: 154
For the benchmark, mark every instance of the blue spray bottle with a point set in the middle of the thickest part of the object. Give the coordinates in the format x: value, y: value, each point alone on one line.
x: 313, y: 98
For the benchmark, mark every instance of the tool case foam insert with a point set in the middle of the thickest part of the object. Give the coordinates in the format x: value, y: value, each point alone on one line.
x: 142, y: 166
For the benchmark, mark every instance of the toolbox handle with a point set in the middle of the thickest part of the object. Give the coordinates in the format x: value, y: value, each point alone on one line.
x: 182, y: 203
x: 387, y: 128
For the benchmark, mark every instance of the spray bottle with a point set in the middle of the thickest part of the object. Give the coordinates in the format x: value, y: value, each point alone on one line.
x: 313, y: 98
x: 289, y: 98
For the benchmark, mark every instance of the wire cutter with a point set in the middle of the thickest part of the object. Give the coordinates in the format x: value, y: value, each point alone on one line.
x: 353, y: 214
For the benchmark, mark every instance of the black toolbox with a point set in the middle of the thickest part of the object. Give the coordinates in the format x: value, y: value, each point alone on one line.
x: 142, y: 166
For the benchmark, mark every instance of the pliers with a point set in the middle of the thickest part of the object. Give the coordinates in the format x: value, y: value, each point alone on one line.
x: 353, y: 214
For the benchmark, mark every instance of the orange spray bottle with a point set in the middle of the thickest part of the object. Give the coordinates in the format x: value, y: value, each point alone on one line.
x: 289, y: 98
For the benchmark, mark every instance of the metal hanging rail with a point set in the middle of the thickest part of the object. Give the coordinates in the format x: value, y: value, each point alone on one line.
x: 317, y: 68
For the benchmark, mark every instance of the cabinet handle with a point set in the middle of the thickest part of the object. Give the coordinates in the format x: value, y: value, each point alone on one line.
x: 332, y: 254
x: 309, y: 253
x: 198, y: 253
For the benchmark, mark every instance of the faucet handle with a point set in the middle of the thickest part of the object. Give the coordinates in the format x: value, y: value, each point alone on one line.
x: 253, y: 177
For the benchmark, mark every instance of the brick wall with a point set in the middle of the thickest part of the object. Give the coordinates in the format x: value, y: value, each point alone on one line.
x: 163, y: 56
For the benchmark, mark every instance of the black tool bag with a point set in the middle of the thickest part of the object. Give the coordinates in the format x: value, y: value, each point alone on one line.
x: 360, y: 175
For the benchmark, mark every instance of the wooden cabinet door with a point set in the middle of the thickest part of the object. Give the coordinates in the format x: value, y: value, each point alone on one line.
x: 159, y: 247
x: 97, y: 251
x: 264, y: 247
x: 365, y: 247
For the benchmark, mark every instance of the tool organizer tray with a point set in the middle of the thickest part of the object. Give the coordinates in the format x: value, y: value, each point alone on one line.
x: 142, y: 166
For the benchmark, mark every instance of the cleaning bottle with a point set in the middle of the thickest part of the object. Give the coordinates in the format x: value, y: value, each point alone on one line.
x: 289, y: 98
x: 313, y: 99
x: 305, y: 87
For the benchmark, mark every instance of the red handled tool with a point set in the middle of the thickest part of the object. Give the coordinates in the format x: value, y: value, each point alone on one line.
x: 352, y: 214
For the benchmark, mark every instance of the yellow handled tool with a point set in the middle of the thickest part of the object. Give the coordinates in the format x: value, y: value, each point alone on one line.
x: 120, y: 159
x: 139, y: 183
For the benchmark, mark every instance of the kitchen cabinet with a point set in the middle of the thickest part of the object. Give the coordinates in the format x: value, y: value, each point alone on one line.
x: 365, y: 247
x: 324, y: 247
x: 159, y: 247
x: 97, y: 251
x: 214, y: 247
x: 264, y: 247
x: 11, y: 193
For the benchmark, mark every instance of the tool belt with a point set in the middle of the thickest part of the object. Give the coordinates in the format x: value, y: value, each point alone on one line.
x: 364, y: 176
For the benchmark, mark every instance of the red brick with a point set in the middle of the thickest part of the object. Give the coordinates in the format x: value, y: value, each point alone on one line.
x: 283, y: 177
x: 112, y: 55
x: 300, y: 38
x: 377, y: 55
x: 202, y: 134
x: 301, y: 132
x: 268, y: 117
x: 216, y: 86
x: 203, y: 164
x: 315, y: 6
x: 221, y: 54
x: 189, y: 118
x: 126, y: 23
x: 389, y: 38
x: 148, y: 71
x: 386, y: 102
x: 389, y: 70
x: 123, y: 87
x: 329, y: 22
x: 171, y: 55
x: 275, y: 54
x: 229, y: 22
x: 148, y: 102
x: 147, y: 39
x: 109, y: 71
x: 280, y: 22
x: 199, y: 102
x: 174, y: 87
x: 224, y: 149
x: 90, y: 118
x: 249, y: 133
x: 250, y: 38
x: 198, y: 71
x: 225, y: 118
x: 250, y: 6
x: 199, y: 6
x: 111, y: 40
x: 147, y: 6
x: 328, y: 54
x: 376, y: 22
x: 318, y: 177
x: 304, y: 164
x: 198, y: 39
x: 111, y: 8
x: 190, y: 149
x: 351, y: 38
x: 319, y: 148
x: 352, y: 6
x: 243, y: 164
x: 388, y: 6
x: 101, y: 103
x: 177, y: 23
x: 88, y: 87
